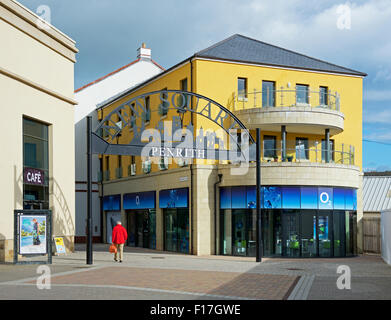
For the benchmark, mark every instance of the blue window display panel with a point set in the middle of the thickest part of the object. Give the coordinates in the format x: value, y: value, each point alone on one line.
x: 290, y: 198
x: 351, y: 199
x: 251, y: 197
x: 173, y: 198
x: 309, y: 198
x: 112, y: 203
x: 238, y: 197
x: 323, y: 227
x: 225, y: 198
x: 142, y: 200
x: 339, y: 198
x: 325, y: 198
x: 272, y: 197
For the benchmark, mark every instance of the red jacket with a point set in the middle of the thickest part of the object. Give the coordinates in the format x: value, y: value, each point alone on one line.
x: 119, y: 235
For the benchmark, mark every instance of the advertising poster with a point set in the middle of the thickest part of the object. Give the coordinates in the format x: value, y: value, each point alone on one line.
x: 32, y: 235
x: 60, y: 247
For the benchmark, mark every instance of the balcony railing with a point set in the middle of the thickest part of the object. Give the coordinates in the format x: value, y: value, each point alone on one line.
x: 317, y: 153
x: 286, y: 98
x: 106, y: 175
x: 118, y: 173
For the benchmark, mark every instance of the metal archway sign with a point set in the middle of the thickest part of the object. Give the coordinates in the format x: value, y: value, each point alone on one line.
x: 173, y: 138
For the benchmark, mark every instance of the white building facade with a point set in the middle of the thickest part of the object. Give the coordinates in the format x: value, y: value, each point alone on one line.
x: 88, y: 97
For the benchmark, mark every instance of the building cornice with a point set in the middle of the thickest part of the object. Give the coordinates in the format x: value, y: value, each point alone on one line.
x: 26, y: 21
x: 37, y: 86
x: 277, y: 67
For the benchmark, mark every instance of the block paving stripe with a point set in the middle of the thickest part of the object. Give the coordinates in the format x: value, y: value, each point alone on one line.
x: 221, y: 284
x: 302, y: 289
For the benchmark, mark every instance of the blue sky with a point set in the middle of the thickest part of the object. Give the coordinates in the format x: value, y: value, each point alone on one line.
x: 108, y: 34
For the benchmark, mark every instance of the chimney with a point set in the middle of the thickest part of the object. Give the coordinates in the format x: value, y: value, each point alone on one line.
x: 143, y: 53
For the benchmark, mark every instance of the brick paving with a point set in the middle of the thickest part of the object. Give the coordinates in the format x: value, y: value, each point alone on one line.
x: 230, y: 284
x: 154, y: 275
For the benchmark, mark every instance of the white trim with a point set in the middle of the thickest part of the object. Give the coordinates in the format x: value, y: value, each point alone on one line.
x: 121, y: 95
x: 28, y: 11
x: 278, y: 67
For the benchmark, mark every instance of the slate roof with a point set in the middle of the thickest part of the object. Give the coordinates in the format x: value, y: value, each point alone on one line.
x: 238, y: 48
x: 243, y: 49
x: 376, y: 192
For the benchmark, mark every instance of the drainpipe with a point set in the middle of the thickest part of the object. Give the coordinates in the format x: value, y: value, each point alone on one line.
x: 220, y: 175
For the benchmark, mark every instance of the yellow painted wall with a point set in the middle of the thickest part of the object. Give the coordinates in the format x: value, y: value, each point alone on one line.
x: 170, y: 81
x: 218, y: 81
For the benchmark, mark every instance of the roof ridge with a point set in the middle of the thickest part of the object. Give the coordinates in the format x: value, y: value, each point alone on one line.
x: 287, y: 50
x: 114, y: 72
x: 216, y: 44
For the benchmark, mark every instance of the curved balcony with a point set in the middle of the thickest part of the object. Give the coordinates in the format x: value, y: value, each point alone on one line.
x: 301, y: 165
x: 301, y: 111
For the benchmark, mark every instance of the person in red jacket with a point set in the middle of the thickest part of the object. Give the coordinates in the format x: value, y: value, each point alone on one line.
x: 119, y: 236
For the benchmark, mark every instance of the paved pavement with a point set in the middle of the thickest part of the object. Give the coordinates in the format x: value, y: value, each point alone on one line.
x: 152, y: 275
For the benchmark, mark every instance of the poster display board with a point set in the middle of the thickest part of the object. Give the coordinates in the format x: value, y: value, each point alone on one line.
x: 32, y: 235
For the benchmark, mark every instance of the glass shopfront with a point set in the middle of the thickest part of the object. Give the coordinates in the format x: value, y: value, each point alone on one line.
x: 174, y: 203
x: 141, y: 228
x: 141, y: 215
x: 307, y: 231
x: 112, y: 212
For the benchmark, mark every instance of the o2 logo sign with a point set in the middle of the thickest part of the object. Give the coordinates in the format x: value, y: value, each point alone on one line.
x: 325, y: 198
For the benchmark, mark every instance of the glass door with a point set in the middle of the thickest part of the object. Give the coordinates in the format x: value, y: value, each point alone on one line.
x: 170, y: 223
x: 308, y: 234
x: 324, y: 236
x: 290, y: 233
x: 339, y: 233
x: 239, y: 241
x: 176, y: 223
x: 183, y: 230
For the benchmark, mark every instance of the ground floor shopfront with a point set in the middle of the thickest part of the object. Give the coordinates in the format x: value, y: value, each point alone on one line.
x: 297, y: 221
x: 141, y: 219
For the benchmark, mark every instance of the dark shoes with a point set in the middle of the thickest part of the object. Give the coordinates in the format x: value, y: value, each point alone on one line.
x: 115, y: 260
x: 120, y: 261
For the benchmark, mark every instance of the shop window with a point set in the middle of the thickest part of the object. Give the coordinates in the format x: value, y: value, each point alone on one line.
x: 323, y: 96
x: 36, y: 157
x: 302, y: 94
x: 163, y: 107
x: 268, y: 94
x: 302, y: 151
x: 242, y: 88
x: 270, y: 147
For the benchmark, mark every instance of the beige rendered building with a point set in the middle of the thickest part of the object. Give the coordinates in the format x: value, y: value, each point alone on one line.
x: 37, y: 100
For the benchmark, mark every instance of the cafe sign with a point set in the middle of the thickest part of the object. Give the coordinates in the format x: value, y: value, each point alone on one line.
x: 34, y: 176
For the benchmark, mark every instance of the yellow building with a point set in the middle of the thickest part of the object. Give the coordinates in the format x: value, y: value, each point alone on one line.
x: 310, y: 115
